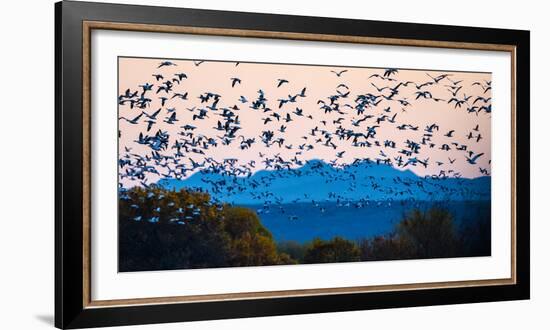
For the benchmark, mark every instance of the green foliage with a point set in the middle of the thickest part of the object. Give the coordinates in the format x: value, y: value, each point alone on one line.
x: 295, y: 250
x: 429, y: 234
x: 334, y: 250
x: 388, y: 247
x: 164, y: 229
x: 251, y: 244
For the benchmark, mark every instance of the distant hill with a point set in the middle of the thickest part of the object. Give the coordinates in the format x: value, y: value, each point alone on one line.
x: 321, y: 182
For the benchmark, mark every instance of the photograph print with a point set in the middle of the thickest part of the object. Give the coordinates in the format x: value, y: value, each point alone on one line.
x: 227, y: 164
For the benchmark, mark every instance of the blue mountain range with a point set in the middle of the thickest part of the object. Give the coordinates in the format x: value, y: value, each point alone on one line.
x: 321, y: 182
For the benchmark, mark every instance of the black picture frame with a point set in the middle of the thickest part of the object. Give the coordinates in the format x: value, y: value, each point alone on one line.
x: 70, y: 307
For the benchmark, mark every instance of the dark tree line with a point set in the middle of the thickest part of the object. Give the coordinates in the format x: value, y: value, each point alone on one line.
x: 160, y: 229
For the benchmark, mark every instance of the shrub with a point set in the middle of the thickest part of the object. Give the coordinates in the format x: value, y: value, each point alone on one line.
x: 388, y: 247
x: 251, y: 244
x: 161, y: 229
x: 334, y: 250
x: 293, y: 249
x: 429, y: 234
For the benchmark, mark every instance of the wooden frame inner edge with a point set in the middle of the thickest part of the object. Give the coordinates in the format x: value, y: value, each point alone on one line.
x: 88, y: 26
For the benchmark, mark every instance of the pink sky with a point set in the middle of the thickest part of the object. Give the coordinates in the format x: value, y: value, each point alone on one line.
x: 320, y: 83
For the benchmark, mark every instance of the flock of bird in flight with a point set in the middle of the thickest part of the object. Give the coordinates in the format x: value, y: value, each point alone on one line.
x: 192, y: 149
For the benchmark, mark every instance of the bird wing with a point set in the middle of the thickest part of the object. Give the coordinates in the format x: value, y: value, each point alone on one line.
x: 477, y: 156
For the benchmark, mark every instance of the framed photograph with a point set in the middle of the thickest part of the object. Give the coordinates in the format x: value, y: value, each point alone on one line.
x: 218, y: 164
